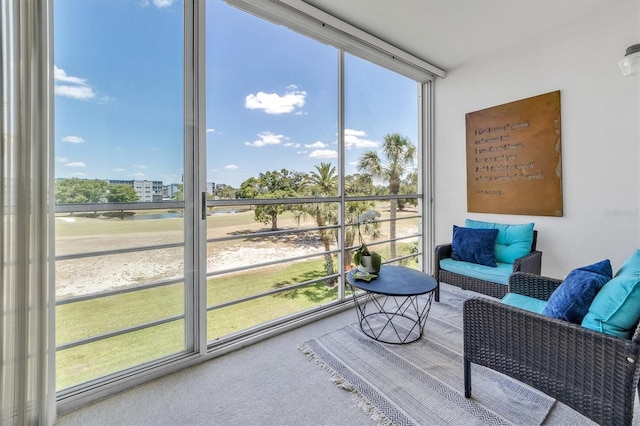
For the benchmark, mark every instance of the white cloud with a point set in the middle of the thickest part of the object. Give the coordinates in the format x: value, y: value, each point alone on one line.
x: 62, y: 160
x: 139, y: 174
x: 266, y: 138
x: 162, y: 3
x: 78, y: 174
x: 352, y: 132
x: 211, y: 130
x: 60, y: 75
x: 75, y: 92
x: 355, y: 139
x: 73, y: 139
x: 171, y: 178
x: 292, y: 145
x: 157, y: 3
x: 324, y: 153
x: 302, y: 152
x: 316, y: 144
x: 230, y: 167
x: 140, y: 166
x: 105, y: 100
x: 76, y: 164
x: 117, y: 170
x: 73, y: 87
x: 272, y: 103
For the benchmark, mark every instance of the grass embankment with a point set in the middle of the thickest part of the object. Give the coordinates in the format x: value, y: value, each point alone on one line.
x: 86, y: 319
x: 98, y: 316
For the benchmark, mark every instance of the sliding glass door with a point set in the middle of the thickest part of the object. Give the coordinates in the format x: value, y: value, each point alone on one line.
x: 119, y: 221
x: 212, y: 168
x: 291, y: 123
x: 272, y: 172
x: 382, y: 154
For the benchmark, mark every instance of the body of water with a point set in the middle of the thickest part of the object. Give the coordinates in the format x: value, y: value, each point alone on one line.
x: 154, y: 216
x: 174, y: 215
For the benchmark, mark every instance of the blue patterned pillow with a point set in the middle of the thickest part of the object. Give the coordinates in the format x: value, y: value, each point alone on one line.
x: 474, y: 245
x: 571, y: 300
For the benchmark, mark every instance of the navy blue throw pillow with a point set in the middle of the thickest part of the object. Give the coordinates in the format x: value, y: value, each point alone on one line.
x: 571, y: 300
x: 474, y: 245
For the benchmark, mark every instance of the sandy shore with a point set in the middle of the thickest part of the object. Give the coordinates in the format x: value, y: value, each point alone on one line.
x: 75, y: 277
x: 95, y: 274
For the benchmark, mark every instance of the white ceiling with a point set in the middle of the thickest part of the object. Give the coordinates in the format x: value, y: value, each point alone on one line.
x: 448, y: 33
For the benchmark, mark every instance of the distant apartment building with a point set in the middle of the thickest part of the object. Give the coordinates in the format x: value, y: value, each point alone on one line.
x: 171, y: 189
x: 147, y: 190
x: 211, y: 188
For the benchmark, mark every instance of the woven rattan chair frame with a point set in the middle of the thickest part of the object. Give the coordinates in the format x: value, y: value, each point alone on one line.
x: 594, y: 373
x: 531, y: 263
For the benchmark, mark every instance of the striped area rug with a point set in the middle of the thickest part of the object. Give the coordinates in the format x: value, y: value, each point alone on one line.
x: 421, y: 383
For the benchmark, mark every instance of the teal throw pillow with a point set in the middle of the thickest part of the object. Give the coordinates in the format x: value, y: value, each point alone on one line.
x: 616, y: 308
x: 631, y: 266
x: 512, y: 242
x: 474, y: 245
x: 571, y: 300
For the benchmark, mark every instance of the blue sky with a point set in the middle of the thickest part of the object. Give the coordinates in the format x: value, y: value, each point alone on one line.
x: 271, y: 95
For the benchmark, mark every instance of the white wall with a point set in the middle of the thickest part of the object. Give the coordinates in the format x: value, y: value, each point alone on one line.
x: 600, y: 111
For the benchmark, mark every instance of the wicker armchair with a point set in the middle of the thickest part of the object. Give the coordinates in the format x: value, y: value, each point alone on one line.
x: 594, y: 373
x: 531, y: 263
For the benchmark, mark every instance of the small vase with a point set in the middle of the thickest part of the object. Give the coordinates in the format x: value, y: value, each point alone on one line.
x: 366, y: 267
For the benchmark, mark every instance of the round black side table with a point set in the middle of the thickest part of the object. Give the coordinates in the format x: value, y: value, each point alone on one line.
x: 391, y: 309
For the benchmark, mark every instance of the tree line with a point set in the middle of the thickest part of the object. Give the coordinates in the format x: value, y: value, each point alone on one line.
x: 80, y: 191
x: 394, y: 165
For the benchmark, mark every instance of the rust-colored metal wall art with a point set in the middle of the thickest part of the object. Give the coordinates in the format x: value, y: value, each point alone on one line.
x: 514, y: 158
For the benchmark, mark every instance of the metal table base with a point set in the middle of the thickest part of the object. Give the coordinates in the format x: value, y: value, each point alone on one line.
x: 395, y: 306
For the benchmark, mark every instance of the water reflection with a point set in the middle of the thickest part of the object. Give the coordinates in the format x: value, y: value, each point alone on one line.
x: 173, y: 215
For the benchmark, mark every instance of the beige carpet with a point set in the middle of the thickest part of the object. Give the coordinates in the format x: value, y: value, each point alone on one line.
x: 422, y: 383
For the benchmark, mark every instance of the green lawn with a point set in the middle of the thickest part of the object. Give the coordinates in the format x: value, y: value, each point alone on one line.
x: 94, y: 317
x: 86, y: 319
x: 76, y: 226
x: 83, y: 226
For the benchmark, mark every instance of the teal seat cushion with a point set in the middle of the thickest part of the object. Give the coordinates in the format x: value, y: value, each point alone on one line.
x: 524, y: 302
x: 499, y: 274
x: 616, y: 308
x: 571, y: 300
x: 512, y: 241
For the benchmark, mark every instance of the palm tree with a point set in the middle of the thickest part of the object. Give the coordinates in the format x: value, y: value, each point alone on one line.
x: 354, y: 185
x: 398, y: 161
x: 323, y: 182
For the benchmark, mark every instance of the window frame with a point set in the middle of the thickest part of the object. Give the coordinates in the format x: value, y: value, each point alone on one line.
x: 297, y: 16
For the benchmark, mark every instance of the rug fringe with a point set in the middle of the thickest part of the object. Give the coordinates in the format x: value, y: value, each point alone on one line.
x: 368, y: 408
x: 359, y: 400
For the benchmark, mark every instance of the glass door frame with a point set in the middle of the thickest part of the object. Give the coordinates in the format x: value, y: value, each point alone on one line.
x: 196, y: 347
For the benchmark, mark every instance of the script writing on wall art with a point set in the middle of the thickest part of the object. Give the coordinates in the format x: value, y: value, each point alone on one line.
x: 514, y: 158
